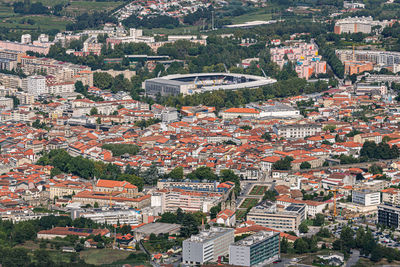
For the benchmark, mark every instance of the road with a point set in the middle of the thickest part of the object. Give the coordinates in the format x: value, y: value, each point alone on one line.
x: 353, y: 258
x: 353, y: 165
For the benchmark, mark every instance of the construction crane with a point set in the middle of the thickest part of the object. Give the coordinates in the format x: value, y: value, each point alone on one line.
x: 110, y: 199
x: 334, y: 200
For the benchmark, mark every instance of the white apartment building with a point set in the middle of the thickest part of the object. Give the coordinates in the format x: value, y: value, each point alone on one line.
x: 188, y: 201
x: 6, y: 103
x: 207, y: 245
x: 366, y: 197
x: 61, y: 88
x: 25, y: 99
x: 37, y: 85
x: 26, y: 39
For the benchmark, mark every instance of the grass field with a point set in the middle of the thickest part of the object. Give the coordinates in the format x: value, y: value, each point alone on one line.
x: 258, y: 190
x: 79, y: 7
x: 14, y: 21
x: 103, y: 256
x: 240, y: 214
x: 261, y: 14
x: 248, y: 202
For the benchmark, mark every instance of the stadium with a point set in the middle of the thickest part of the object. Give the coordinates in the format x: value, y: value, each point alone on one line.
x: 187, y: 84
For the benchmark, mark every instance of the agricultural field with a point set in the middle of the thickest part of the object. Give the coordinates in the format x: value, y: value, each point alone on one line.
x: 258, y: 190
x: 248, y: 203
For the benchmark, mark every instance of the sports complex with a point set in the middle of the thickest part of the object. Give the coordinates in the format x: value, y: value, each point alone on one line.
x: 187, y: 84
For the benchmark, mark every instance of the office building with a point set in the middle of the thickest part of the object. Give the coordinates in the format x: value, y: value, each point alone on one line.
x: 388, y: 215
x: 255, y: 250
x: 289, y: 219
x: 207, y: 246
x: 366, y: 197
x: 37, y: 85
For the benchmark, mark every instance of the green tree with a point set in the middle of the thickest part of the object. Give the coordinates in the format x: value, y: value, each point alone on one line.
x: 319, y: 219
x: 284, y: 245
x: 300, y: 246
x: 42, y: 257
x: 283, y: 164
x: 189, y: 225
x: 93, y: 111
x: 305, y: 165
x: 176, y: 173
x: 303, y: 228
x: 202, y: 173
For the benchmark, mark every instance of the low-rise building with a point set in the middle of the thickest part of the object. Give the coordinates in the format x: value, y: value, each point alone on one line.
x: 289, y: 219
x: 296, y: 130
x: 66, y: 231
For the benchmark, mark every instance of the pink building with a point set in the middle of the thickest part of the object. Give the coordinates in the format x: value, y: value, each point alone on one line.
x: 24, y: 47
x: 303, y: 55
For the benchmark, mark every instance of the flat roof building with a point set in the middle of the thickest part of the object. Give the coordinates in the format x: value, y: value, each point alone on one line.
x: 366, y: 197
x: 289, y: 219
x: 156, y: 228
x: 389, y: 215
x: 207, y: 246
x: 255, y: 250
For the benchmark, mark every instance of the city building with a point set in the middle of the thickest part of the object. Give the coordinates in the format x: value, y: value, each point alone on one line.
x: 296, y: 130
x: 389, y: 215
x: 368, y: 89
x: 26, y: 39
x: 391, y: 196
x: 275, y: 109
x: 352, y: 5
x: 377, y: 57
x: 246, y: 113
x: 61, y: 88
x: 366, y: 197
x: 358, y: 24
x: 255, y: 250
x: 113, y: 216
x: 37, y: 85
x: 207, y: 246
x: 67, y: 188
x: 20, y: 47
x: 187, y: 200
x: 288, y: 219
x: 156, y: 228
